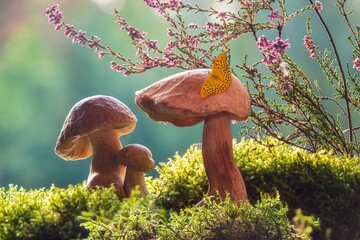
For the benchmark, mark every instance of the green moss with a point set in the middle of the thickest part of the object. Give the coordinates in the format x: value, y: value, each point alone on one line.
x: 75, y: 213
x: 265, y: 220
x: 181, y: 182
x: 136, y: 218
x: 322, y: 185
x: 50, y: 213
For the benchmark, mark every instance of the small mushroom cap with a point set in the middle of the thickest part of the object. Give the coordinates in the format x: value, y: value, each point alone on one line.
x: 136, y: 157
x: 176, y: 99
x: 87, y: 116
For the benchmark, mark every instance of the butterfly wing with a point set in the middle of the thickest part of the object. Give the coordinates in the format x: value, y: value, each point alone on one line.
x: 219, y: 78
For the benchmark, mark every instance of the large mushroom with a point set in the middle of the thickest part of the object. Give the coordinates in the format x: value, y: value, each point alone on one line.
x: 93, y: 126
x: 176, y: 100
x: 137, y: 159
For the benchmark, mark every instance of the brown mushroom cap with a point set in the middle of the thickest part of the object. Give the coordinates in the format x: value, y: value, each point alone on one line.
x: 176, y: 99
x: 136, y: 157
x: 90, y: 115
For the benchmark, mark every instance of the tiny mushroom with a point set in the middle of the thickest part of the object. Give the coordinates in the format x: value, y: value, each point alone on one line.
x: 176, y: 99
x: 137, y: 159
x: 93, y: 126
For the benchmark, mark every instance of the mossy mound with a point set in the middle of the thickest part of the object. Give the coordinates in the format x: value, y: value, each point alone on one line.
x: 279, y: 179
x: 51, y: 213
x: 266, y: 219
x: 321, y: 184
x: 76, y: 213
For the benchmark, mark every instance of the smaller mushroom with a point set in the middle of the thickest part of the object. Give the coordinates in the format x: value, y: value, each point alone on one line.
x: 137, y: 159
x: 93, y: 127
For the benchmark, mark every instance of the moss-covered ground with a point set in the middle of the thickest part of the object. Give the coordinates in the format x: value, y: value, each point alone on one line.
x: 292, y: 195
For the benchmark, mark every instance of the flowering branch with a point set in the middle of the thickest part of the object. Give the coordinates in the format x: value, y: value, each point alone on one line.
x: 318, y: 8
x: 297, y: 110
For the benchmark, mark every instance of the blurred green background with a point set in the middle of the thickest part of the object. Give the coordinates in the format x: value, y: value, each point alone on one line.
x: 43, y: 74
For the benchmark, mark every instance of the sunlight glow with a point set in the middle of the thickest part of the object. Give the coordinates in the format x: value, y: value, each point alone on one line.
x: 108, y: 6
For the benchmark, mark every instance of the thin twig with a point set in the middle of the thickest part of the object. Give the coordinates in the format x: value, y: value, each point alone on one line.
x: 346, y: 91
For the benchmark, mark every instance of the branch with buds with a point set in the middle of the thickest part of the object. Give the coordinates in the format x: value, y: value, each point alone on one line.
x: 299, y: 107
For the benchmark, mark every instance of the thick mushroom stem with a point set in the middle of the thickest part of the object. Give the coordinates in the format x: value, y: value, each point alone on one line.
x: 223, y: 175
x: 104, y: 170
x: 133, y: 179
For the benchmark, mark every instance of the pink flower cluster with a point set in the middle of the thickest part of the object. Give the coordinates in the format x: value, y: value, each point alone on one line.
x: 114, y: 66
x: 146, y: 46
x: 310, y: 46
x: 193, y: 26
x: 318, y: 6
x: 252, y: 4
x: 274, y: 15
x: 135, y: 34
x: 273, y: 51
x: 356, y: 64
x: 222, y: 16
x: 55, y: 17
x: 216, y: 30
x: 172, y: 5
x: 138, y: 37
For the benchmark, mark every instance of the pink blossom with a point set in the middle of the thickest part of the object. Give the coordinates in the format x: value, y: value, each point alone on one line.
x: 262, y: 43
x: 69, y: 31
x: 169, y: 47
x: 135, y: 34
x: 209, y: 25
x: 140, y: 53
x: 126, y: 73
x: 118, y: 68
x: 54, y: 16
x: 94, y: 43
x: 101, y: 55
x: 318, y: 6
x: 115, y: 66
x: 80, y: 38
x: 150, y: 62
x: 274, y: 15
x: 175, y: 5
x: 193, y: 42
x: 273, y: 51
x: 151, y: 45
x: 310, y: 46
x: 170, y: 61
x: 356, y: 64
x: 162, y: 7
x: 281, y: 45
x: 193, y: 26
x: 174, y: 63
x: 169, y: 33
x: 216, y: 30
x: 122, y: 22
x: 151, y: 3
x: 222, y: 15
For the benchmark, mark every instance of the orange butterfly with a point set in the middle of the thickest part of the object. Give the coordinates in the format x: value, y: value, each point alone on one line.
x: 219, y: 78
